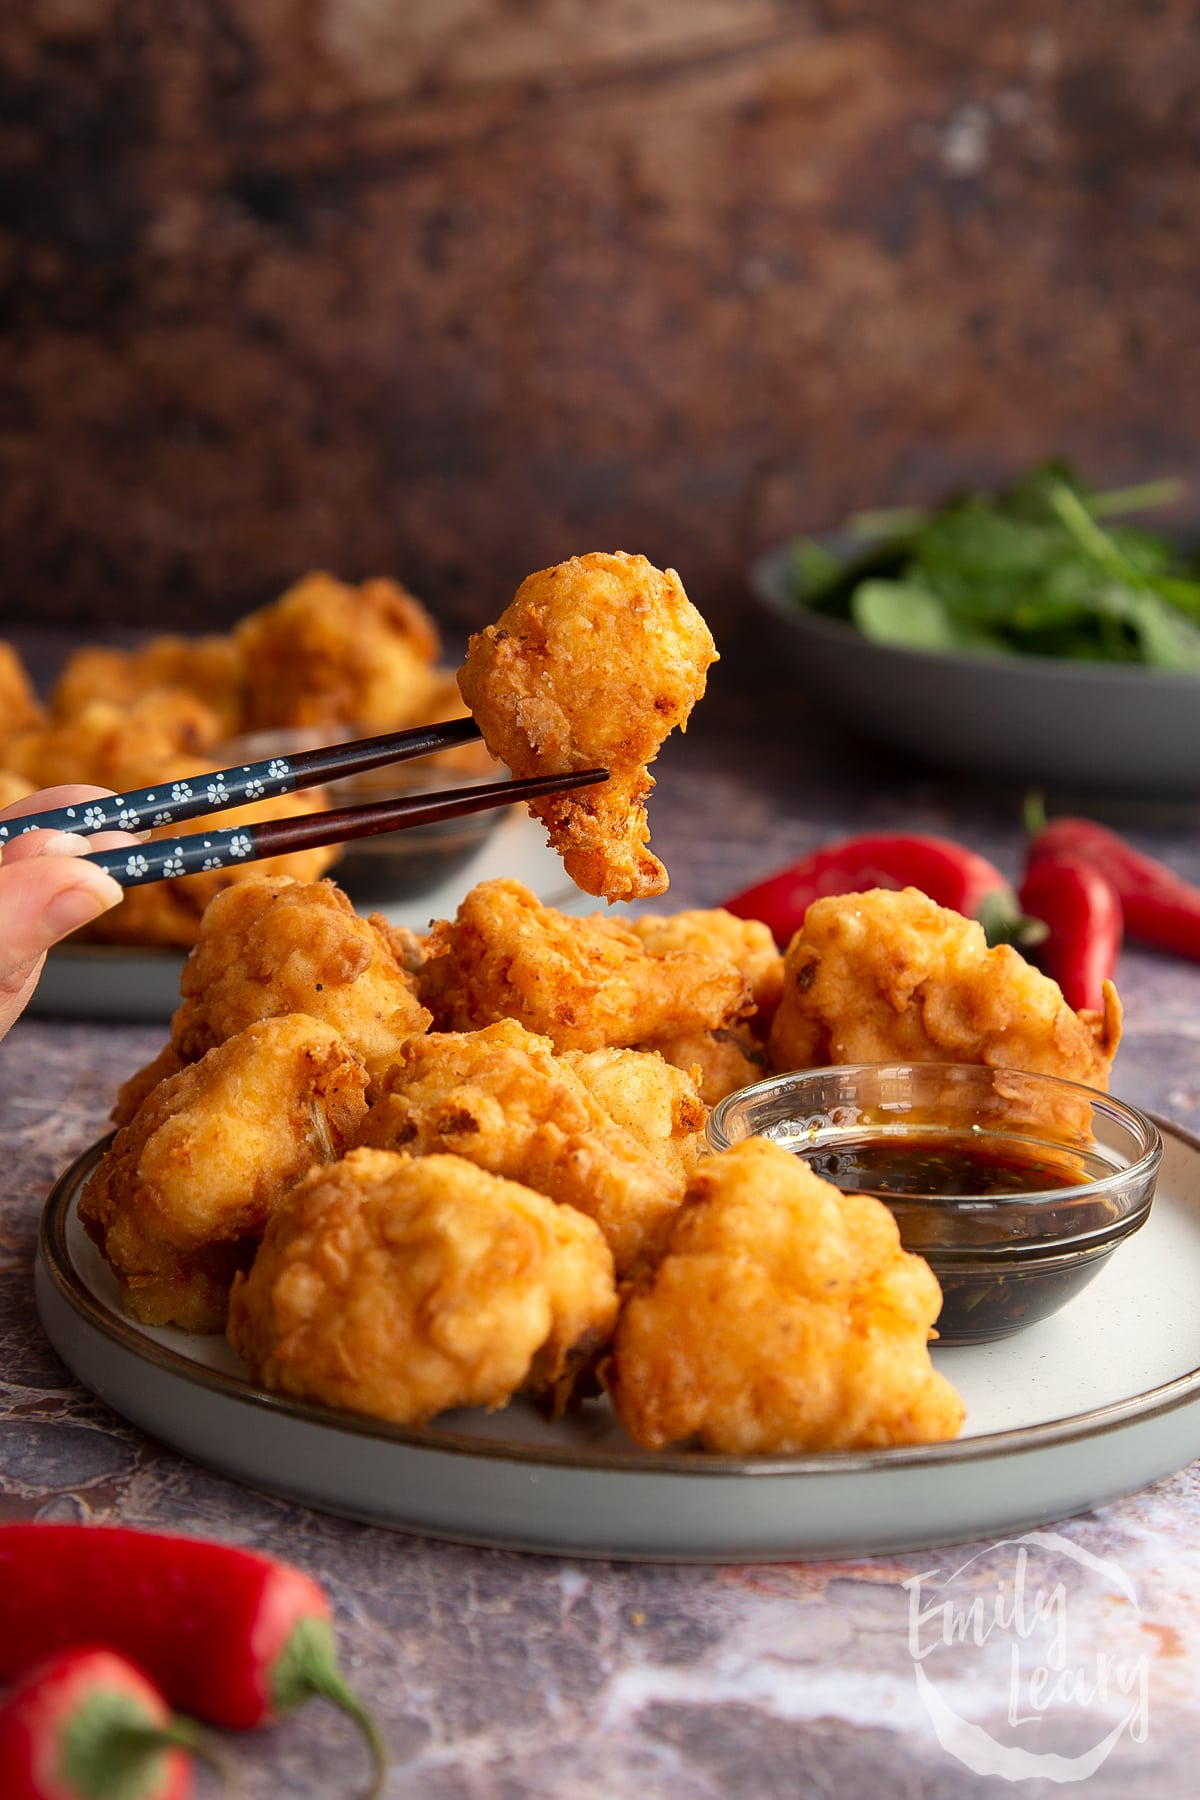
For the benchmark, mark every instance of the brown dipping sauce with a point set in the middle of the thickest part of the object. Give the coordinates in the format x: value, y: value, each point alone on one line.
x: 936, y: 1164
x: 911, y: 1172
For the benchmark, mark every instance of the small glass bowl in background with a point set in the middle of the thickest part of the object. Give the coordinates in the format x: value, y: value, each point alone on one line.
x: 1015, y: 1188
x: 398, y: 865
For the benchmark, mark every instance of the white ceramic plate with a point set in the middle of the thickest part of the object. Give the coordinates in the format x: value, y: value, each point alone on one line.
x: 1088, y: 1405
x: 1036, y: 720
x: 103, y: 981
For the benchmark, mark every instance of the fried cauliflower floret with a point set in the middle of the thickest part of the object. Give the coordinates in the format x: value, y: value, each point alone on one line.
x: 593, y: 665
x: 328, y: 654
x: 501, y: 1098
x: 274, y: 945
x: 137, y: 1088
x: 116, y: 746
x: 406, y: 945
x: 13, y: 788
x: 728, y: 1057
x: 19, y: 706
x: 884, y: 976
x: 403, y: 1286
x: 169, y: 912
x: 784, y: 1317
x: 210, y: 667
x: 184, y: 1191
x: 747, y: 943
x: 585, y: 983
x: 720, y: 1062
x: 649, y: 1097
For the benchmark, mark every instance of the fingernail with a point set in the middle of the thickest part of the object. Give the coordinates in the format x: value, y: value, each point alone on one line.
x: 61, y: 843
x: 77, y: 906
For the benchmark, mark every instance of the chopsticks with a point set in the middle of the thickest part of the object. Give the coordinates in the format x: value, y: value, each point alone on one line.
x: 165, y: 858
x: 171, y: 802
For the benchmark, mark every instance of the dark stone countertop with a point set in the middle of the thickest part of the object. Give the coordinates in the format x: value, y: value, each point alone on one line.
x: 497, y: 1674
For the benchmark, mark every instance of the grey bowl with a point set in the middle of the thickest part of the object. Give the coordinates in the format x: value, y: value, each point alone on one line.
x: 1112, y: 729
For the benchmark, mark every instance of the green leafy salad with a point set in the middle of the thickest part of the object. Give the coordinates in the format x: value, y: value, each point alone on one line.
x: 1042, y: 569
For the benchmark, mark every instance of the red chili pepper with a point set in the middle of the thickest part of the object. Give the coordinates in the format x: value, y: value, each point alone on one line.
x: 947, y: 872
x: 228, y: 1635
x: 87, y: 1725
x: 1159, y: 906
x: 1081, y: 908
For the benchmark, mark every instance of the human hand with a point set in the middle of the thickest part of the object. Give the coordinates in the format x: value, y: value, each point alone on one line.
x: 46, y: 892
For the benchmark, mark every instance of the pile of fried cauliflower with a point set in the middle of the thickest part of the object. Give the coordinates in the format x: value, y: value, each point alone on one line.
x: 409, y: 1172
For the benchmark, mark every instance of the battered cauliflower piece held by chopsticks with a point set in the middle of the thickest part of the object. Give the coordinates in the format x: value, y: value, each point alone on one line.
x: 276, y: 946
x: 784, y: 1317
x: 402, y: 1286
x: 593, y: 665
x: 181, y: 1196
x: 885, y: 976
x: 584, y: 983
x: 501, y: 1098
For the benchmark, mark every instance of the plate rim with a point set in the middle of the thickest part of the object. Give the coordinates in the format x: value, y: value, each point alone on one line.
x: 54, y: 1258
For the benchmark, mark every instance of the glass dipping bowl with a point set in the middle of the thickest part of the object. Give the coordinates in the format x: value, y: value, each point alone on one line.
x: 1015, y: 1188
x: 399, y: 865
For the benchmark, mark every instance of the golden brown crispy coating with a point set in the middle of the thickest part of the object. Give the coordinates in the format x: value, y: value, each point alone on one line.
x: 402, y: 1286
x: 593, y: 664
x: 13, y: 787
x: 116, y: 746
x: 406, y: 945
x: 747, y: 943
x: 650, y: 1097
x: 720, y: 1062
x: 503, y: 1099
x: 328, y: 654
x: 273, y: 945
x: 168, y: 913
x: 134, y: 1091
x: 784, y: 1317
x: 732, y: 1056
x: 209, y: 667
x: 884, y: 976
x: 185, y: 1189
x: 19, y: 706
x: 584, y: 983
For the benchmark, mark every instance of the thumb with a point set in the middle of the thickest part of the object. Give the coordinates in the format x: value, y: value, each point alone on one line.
x: 42, y: 900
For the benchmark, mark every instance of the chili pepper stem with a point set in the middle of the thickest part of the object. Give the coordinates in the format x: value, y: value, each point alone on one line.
x: 1001, y: 925
x: 106, y: 1745
x: 307, y: 1665
x: 1033, y: 813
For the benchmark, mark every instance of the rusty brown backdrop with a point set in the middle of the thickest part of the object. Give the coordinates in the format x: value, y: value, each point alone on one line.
x: 455, y: 288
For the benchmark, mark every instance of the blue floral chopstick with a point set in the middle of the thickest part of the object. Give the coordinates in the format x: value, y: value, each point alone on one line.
x: 170, y: 803
x: 165, y: 858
